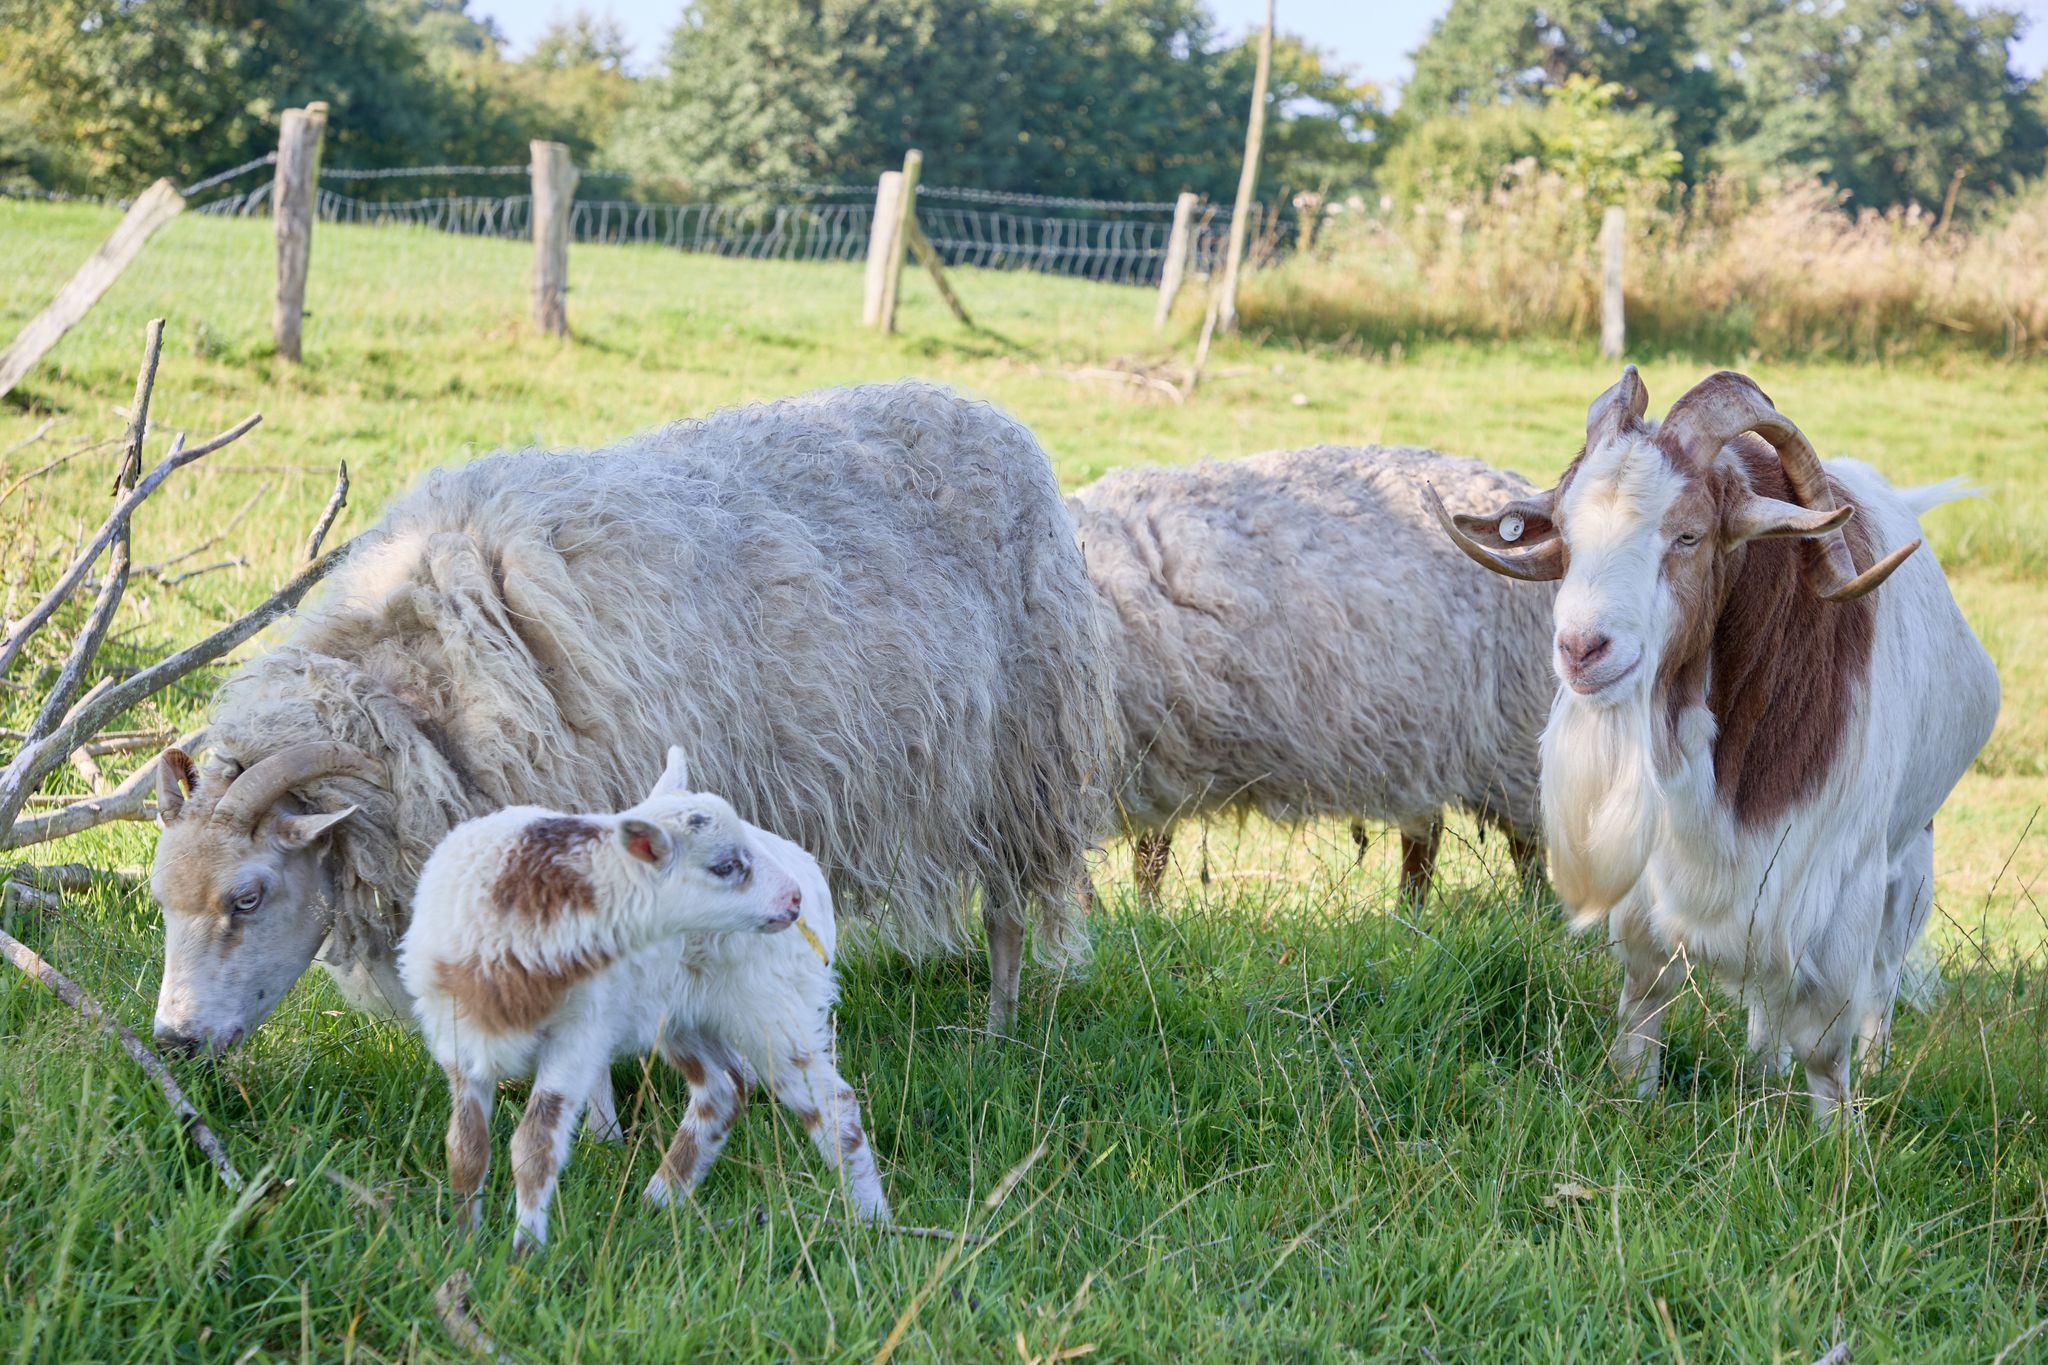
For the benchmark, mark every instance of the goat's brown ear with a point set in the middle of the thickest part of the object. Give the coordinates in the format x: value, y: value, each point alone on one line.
x: 1617, y: 410
x: 645, y: 840
x: 176, y: 778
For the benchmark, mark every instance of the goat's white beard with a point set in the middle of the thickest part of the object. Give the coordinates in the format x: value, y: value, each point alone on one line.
x: 1600, y: 798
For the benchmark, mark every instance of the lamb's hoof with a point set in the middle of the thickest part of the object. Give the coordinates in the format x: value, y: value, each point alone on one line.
x: 525, y: 1243
x: 657, y: 1192
x: 610, y: 1132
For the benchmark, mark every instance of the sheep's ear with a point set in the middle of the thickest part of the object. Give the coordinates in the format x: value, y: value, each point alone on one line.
x: 297, y: 831
x: 644, y: 840
x: 676, y: 776
x: 1760, y: 518
x: 176, y: 779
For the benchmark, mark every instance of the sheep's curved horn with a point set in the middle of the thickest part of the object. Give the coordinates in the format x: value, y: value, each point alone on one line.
x: 1725, y: 405
x: 1543, y: 564
x: 258, y: 788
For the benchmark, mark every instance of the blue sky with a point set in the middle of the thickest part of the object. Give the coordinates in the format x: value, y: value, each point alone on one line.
x: 1372, y: 37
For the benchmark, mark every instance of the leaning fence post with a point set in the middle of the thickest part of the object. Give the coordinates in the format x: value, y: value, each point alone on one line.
x: 554, y: 190
x: 1613, y: 319
x: 292, y: 195
x: 881, y: 234
x: 1176, y: 256
x: 1248, y: 178
x: 906, y: 214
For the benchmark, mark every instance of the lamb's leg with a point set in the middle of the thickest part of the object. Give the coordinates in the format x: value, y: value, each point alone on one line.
x: 1418, y: 862
x: 719, y: 1083
x: 1002, y: 916
x: 469, y: 1144
x: 1651, y: 980
x: 814, y: 1091
x: 1149, y: 858
x: 540, y: 1148
x: 601, y: 1119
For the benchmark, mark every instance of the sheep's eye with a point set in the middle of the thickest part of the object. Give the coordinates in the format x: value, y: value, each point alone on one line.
x: 1689, y: 538
x: 247, y: 901
x: 724, y: 868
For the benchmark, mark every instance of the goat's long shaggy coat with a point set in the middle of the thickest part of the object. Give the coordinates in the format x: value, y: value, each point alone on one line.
x: 860, y: 611
x: 1292, y: 634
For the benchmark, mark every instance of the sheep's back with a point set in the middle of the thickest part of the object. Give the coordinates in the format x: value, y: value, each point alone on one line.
x: 1293, y: 632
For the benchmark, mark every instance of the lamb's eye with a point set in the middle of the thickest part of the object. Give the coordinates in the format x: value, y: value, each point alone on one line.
x: 247, y: 901
x: 724, y: 868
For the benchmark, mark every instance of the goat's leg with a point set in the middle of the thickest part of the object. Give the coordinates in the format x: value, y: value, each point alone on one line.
x: 813, y: 1090
x: 601, y: 1119
x: 719, y: 1082
x: 1418, y: 861
x: 1651, y: 980
x: 1767, y: 1042
x: 540, y: 1146
x: 1002, y: 915
x: 1149, y: 858
x: 1827, y: 1077
x: 469, y: 1144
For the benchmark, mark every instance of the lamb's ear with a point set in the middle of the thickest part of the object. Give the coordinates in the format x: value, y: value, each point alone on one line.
x: 297, y: 831
x: 176, y: 778
x: 675, y: 777
x: 644, y: 840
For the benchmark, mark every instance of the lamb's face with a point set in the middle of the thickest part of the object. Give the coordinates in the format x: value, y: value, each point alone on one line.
x: 711, y: 878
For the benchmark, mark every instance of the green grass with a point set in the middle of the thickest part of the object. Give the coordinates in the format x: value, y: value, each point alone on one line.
x: 1278, y: 1121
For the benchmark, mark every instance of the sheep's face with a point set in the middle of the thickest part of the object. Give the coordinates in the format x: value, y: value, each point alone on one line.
x: 245, y: 906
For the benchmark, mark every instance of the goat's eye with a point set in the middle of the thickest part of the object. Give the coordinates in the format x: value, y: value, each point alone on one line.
x: 247, y: 901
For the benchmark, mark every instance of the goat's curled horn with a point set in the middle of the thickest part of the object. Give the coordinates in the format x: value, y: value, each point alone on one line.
x: 258, y: 788
x: 1725, y: 405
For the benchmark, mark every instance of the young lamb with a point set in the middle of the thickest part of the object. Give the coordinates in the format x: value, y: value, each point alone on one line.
x: 545, y: 944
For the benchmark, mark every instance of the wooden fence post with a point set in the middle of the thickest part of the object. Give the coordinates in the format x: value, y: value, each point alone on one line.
x: 158, y: 205
x: 1176, y: 256
x: 906, y: 213
x: 293, y: 193
x: 1613, y: 319
x: 1248, y: 179
x: 554, y: 190
x: 881, y: 234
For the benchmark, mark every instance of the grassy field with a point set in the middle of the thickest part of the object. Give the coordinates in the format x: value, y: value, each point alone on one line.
x: 1272, y: 1121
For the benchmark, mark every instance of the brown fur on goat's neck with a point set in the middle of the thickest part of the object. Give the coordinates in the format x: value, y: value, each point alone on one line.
x: 1780, y: 669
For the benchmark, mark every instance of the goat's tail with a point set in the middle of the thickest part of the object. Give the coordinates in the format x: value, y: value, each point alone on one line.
x: 1929, y: 496
x: 1920, y: 983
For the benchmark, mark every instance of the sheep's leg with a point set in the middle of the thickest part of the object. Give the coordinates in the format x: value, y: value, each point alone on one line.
x: 601, y: 1119
x: 540, y: 1148
x: 719, y: 1083
x: 1527, y: 854
x: 1362, y: 837
x: 1149, y: 857
x: 813, y: 1090
x: 1001, y: 916
x: 469, y: 1144
x: 1418, y: 862
x: 1651, y: 980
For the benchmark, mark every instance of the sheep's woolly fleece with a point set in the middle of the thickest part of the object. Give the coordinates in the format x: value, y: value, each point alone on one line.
x: 1292, y: 633
x: 860, y: 611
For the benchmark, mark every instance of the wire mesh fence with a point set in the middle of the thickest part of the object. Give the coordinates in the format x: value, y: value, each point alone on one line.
x: 1111, y: 241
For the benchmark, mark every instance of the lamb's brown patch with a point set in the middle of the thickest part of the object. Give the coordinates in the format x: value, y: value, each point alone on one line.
x: 811, y: 1118
x: 548, y: 870
x: 1780, y: 668
x: 508, y: 996
x: 693, y: 1069
x: 533, y: 1147
x: 469, y: 1140
x: 679, y: 1163
x: 706, y: 1110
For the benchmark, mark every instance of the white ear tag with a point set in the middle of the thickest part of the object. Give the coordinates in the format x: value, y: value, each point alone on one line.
x: 1511, y: 527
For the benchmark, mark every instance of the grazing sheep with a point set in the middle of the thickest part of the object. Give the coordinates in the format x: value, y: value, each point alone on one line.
x: 862, y: 611
x: 545, y: 944
x: 1742, y: 769
x: 1291, y: 635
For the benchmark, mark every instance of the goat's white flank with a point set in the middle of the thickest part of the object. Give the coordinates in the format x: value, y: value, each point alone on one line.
x: 544, y: 945
x: 1743, y: 765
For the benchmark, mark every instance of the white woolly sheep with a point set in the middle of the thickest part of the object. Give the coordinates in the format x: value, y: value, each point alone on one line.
x: 1743, y: 765
x: 862, y: 612
x: 545, y: 944
x: 1290, y: 634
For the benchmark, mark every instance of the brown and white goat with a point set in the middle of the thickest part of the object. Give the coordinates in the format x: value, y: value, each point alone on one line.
x: 1741, y: 770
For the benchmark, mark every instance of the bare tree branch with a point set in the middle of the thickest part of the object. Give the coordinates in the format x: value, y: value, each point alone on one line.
x: 64, y: 459
x: 156, y: 570
x: 335, y: 503
x: 38, y: 434
x: 67, y: 990
x: 138, y: 411
x: 238, y: 562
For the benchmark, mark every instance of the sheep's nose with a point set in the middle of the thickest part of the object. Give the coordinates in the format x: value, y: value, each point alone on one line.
x: 174, y: 1042
x: 1582, y: 648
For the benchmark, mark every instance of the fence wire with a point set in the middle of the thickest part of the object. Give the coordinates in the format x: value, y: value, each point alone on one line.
x: 1109, y: 241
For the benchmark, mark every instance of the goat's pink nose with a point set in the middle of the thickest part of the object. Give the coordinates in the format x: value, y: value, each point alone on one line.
x: 1582, y: 648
